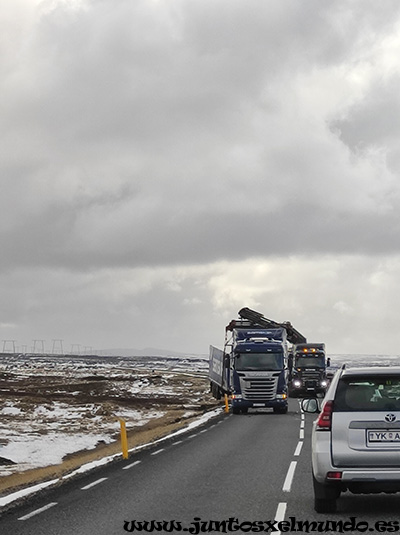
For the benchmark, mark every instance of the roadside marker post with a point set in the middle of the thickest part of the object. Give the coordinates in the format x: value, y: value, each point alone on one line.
x: 124, y: 439
x: 226, y: 404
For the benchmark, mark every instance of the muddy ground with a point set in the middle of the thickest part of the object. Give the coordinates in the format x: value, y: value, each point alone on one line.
x: 164, y: 401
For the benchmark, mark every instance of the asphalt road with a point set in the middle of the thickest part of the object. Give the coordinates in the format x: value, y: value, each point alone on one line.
x: 251, y: 471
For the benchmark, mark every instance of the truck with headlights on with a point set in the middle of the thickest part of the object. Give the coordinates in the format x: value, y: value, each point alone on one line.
x: 308, y: 370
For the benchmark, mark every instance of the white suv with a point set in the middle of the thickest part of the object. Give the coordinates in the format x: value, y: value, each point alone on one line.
x: 356, y: 437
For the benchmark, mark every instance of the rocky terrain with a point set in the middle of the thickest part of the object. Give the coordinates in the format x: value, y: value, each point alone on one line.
x: 57, y: 413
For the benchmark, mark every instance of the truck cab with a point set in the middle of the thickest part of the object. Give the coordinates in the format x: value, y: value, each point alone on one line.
x: 253, y: 366
x: 307, y: 369
x: 258, y: 360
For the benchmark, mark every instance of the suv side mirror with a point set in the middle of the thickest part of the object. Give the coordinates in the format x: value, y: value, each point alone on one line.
x: 310, y: 405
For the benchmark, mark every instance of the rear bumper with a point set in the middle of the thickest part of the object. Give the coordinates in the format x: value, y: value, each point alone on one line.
x: 376, y: 475
x: 355, y: 479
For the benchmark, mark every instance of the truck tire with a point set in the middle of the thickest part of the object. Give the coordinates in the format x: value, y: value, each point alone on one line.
x: 235, y: 410
x: 215, y: 390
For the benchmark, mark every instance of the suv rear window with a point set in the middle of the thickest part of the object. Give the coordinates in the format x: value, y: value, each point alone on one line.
x: 368, y: 393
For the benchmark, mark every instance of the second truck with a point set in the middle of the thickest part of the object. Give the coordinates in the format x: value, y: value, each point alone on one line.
x: 307, y: 369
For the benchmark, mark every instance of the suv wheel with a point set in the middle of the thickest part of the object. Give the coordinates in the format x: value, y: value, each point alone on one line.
x: 325, y: 497
x: 324, y: 506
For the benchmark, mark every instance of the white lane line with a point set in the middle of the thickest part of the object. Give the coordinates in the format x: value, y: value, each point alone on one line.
x: 94, y: 483
x: 302, y: 424
x: 280, y: 514
x: 38, y: 511
x: 177, y: 442
x: 298, y: 448
x: 301, y: 435
x: 303, y: 415
x: 158, y: 451
x: 203, y: 431
x: 289, y: 477
x: 130, y: 465
x: 192, y: 436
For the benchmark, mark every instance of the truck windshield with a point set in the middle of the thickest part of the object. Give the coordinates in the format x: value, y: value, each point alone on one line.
x: 259, y: 361
x: 310, y: 362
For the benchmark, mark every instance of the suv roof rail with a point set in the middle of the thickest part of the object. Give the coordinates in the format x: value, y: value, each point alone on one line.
x: 343, y: 366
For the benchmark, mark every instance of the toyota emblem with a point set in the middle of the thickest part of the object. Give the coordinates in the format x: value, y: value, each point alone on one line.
x: 390, y: 417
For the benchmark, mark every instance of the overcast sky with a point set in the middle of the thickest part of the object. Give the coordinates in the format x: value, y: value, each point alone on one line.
x: 166, y: 163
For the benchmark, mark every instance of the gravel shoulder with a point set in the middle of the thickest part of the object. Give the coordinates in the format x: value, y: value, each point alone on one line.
x: 148, y: 433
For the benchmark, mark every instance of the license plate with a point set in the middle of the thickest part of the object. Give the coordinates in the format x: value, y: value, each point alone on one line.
x: 383, y: 435
x: 258, y: 404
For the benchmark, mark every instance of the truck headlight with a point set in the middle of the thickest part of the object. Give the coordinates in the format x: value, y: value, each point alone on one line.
x: 296, y: 383
x: 323, y: 382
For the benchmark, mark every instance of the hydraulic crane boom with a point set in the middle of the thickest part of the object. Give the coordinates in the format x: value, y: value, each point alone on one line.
x: 293, y: 336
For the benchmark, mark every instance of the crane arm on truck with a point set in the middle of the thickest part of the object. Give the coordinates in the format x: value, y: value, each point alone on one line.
x: 293, y: 336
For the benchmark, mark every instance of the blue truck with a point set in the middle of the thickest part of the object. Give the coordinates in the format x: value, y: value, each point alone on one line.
x: 252, y: 368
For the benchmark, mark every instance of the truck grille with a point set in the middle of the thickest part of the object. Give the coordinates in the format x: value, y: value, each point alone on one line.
x: 311, y: 378
x: 259, y: 388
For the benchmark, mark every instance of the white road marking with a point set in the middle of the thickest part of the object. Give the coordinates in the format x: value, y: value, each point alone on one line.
x: 38, y: 511
x: 298, y: 448
x: 130, y: 465
x: 177, y: 442
x: 289, y: 477
x: 203, y: 431
x: 280, y: 514
x: 157, y: 452
x: 301, y: 435
x: 94, y: 483
x: 302, y: 423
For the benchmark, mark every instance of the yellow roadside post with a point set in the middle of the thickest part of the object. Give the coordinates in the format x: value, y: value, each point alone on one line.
x: 226, y: 404
x: 124, y: 439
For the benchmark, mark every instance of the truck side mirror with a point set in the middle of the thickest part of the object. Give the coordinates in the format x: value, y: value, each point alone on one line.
x: 328, y: 362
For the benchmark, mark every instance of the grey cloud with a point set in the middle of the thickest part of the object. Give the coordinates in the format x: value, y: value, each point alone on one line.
x: 151, y: 134
x: 372, y: 122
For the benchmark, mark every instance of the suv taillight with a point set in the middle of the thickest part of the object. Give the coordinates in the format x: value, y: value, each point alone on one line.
x: 325, y: 417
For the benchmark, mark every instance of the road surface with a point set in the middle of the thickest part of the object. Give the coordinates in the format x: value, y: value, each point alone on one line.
x: 249, y: 473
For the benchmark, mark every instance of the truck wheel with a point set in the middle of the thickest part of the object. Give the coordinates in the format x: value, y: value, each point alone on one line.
x: 245, y: 410
x: 235, y: 410
x: 215, y: 391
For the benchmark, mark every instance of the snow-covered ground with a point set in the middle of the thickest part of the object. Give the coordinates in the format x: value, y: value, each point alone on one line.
x: 51, y: 406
